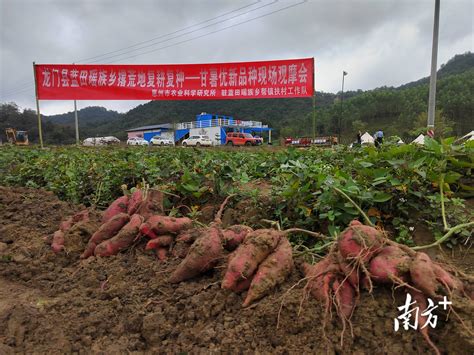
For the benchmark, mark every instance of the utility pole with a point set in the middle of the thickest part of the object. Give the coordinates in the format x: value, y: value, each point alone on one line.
x: 434, y: 59
x: 344, y: 73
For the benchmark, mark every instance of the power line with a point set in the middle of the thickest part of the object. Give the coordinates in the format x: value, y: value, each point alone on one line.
x: 185, y: 33
x: 168, y: 34
x: 19, y: 88
x: 212, y: 32
x: 197, y: 37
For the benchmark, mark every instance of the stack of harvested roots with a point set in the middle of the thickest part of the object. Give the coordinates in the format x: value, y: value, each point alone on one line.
x: 363, y: 256
x: 261, y: 259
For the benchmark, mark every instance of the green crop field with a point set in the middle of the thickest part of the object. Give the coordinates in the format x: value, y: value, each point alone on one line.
x: 397, y: 186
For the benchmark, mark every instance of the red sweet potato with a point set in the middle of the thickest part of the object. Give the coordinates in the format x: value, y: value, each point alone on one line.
x: 82, y: 216
x: 448, y: 281
x: 203, y: 255
x: 118, y: 206
x: 184, y: 240
x: 166, y: 225
x: 152, y: 204
x: 146, y: 230
x: 359, y: 240
x: 243, y: 285
x: 389, y: 264
x: 422, y: 304
x: 162, y: 253
x: 271, y: 272
x: 345, y: 298
x: 134, y: 201
x: 350, y: 271
x: 58, y: 241
x: 190, y: 235
x: 320, y: 277
x: 160, y: 242
x: 423, y: 275
x: 106, y: 231
x: 235, y: 235
x: 256, y: 247
x: 122, y: 240
x: 78, y: 217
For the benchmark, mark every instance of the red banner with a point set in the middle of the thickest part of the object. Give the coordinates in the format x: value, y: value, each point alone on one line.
x: 246, y: 80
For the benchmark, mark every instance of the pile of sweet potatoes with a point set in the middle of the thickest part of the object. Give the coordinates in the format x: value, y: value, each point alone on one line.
x: 363, y: 257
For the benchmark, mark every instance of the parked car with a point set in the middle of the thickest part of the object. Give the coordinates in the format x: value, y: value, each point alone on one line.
x: 197, y: 141
x: 100, y: 141
x: 158, y: 140
x: 111, y: 140
x: 137, y: 141
x: 236, y: 138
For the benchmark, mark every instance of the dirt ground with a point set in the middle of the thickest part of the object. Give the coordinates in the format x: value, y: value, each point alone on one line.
x: 123, y: 304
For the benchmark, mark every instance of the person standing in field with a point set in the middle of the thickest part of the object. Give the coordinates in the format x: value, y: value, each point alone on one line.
x: 359, y: 138
x: 378, y: 137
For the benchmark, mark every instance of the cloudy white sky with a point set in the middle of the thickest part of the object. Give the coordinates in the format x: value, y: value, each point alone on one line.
x: 378, y: 42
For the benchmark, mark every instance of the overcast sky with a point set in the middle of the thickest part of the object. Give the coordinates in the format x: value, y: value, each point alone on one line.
x: 378, y: 42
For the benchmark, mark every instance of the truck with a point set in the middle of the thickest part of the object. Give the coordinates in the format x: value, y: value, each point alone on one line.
x: 326, y: 141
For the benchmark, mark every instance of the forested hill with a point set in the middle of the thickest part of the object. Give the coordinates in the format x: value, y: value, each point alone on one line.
x: 90, y: 116
x: 398, y: 111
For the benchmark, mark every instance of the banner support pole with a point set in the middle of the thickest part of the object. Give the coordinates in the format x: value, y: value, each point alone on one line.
x: 40, y: 131
x: 314, y: 104
x: 76, y: 123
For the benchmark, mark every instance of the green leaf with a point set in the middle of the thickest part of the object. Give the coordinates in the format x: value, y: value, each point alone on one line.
x: 382, y: 197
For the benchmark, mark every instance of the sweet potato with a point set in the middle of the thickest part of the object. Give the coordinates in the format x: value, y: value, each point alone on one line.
x: 58, y: 241
x: 159, y: 242
x: 152, y: 204
x: 271, y: 272
x: 190, y: 235
x: 184, y: 241
x: 235, y: 235
x: 422, y: 304
x: 122, y: 240
x: 243, y: 285
x: 449, y: 282
x: 203, y: 255
x: 423, y: 275
x: 79, y: 216
x: 390, y: 264
x: 166, y: 225
x: 320, y: 277
x: 162, y: 253
x: 106, y: 231
x: 134, y: 201
x: 146, y: 230
x: 350, y: 271
x: 82, y: 216
x: 118, y: 206
x: 359, y: 241
x: 345, y: 298
x: 256, y: 247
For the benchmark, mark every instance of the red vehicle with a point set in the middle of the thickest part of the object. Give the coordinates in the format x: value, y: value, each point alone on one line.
x: 236, y: 138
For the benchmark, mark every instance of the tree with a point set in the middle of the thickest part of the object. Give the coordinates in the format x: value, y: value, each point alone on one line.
x: 443, y: 126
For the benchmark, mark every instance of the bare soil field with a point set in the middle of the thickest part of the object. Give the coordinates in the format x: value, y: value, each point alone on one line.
x: 123, y: 304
